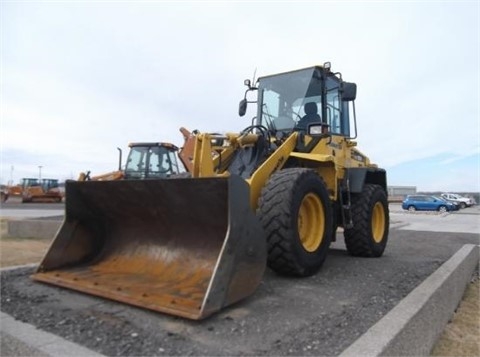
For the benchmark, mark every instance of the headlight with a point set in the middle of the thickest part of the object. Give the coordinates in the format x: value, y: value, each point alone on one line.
x: 315, y: 129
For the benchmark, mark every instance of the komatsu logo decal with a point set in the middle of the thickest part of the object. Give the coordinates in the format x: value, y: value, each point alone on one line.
x: 358, y: 157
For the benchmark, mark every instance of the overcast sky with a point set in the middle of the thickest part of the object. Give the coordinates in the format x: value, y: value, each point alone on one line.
x: 79, y: 79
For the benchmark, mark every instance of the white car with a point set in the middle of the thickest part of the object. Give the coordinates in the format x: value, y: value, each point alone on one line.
x: 460, y: 200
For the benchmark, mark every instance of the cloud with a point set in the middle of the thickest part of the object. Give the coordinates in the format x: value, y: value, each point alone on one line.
x: 80, y: 79
x: 474, y: 152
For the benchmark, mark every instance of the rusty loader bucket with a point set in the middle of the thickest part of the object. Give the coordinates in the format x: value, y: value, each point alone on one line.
x: 186, y: 247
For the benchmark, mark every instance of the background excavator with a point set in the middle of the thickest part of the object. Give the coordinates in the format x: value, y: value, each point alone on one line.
x: 272, y: 195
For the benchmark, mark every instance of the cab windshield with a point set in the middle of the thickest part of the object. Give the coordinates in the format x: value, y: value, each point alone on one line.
x: 290, y: 100
x: 28, y: 182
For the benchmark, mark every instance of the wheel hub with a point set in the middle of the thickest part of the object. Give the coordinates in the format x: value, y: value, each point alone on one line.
x: 311, y: 225
x: 378, y: 222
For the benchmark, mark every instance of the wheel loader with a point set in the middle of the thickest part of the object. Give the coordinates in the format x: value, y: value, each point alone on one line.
x: 271, y: 195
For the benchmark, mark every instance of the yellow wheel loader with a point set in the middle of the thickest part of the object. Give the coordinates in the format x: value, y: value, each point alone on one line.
x: 273, y: 194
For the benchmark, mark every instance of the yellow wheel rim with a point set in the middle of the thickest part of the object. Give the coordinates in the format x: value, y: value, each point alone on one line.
x: 378, y: 222
x: 311, y: 222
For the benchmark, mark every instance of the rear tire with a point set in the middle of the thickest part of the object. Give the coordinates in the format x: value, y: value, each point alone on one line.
x: 296, y: 214
x: 369, y: 234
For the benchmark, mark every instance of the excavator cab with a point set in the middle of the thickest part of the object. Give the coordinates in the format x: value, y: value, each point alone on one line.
x: 151, y: 161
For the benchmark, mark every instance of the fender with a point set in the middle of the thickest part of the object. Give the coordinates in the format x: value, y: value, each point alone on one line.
x: 359, y: 176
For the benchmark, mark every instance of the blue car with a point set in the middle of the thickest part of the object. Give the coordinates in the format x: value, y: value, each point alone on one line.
x: 427, y: 203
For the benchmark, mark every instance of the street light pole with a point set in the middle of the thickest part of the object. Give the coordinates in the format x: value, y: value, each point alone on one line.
x: 40, y: 172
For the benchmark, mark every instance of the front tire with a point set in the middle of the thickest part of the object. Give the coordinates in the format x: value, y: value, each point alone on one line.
x: 369, y: 234
x: 442, y: 209
x: 296, y: 214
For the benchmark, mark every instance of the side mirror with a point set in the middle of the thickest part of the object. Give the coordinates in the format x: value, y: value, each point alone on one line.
x: 242, y: 107
x: 349, y: 91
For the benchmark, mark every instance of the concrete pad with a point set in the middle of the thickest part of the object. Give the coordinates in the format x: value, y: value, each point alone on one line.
x: 33, y: 228
x: 435, y: 222
x: 11, y: 346
x: 413, y: 326
x: 15, y: 213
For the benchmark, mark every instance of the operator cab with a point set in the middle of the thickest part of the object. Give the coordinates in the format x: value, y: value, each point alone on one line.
x: 48, y: 184
x: 30, y: 182
x: 298, y: 99
x: 151, y: 161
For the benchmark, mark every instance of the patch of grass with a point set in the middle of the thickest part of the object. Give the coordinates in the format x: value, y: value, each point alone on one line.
x: 19, y: 251
x: 3, y: 227
x: 461, y: 336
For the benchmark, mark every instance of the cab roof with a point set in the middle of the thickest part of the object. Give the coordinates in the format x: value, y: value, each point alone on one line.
x: 150, y: 144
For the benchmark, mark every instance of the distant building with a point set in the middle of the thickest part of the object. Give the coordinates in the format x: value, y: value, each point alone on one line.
x: 398, y: 193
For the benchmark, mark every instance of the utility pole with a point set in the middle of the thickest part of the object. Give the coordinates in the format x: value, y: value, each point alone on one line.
x: 40, y: 172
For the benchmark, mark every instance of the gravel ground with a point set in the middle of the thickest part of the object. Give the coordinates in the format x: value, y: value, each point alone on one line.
x: 320, y: 315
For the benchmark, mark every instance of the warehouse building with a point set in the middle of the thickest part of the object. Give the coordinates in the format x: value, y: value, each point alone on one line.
x: 398, y: 193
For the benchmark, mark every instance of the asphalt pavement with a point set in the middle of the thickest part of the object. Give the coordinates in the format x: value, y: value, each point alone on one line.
x: 15, y: 209
x: 322, y: 315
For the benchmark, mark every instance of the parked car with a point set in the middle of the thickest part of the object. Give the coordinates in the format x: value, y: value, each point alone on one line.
x: 427, y: 203
x: 460, y: 200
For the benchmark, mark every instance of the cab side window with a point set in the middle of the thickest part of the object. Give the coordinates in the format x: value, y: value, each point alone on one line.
x: 333, y: 111
x: 336, y: 110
